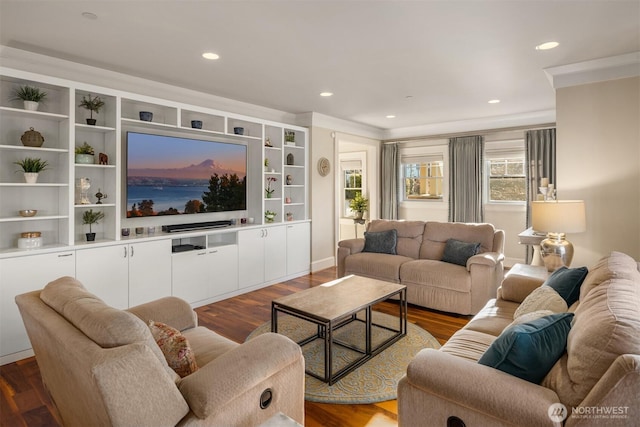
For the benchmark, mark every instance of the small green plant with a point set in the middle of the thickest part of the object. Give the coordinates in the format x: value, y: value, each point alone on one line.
x: 85, y: 149
x: 359, y: 203
x: 270, y: 190
x: 32, y: 165
x: 91, y: 104
x: 266, y: 163
x: 29, y: 93
x: 90, y: 217
x: 289, y: 136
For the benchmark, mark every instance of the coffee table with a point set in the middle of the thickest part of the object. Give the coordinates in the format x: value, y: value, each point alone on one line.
x: 336, y: 304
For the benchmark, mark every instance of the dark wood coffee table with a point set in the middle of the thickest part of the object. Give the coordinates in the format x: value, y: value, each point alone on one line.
x: 337, y: 303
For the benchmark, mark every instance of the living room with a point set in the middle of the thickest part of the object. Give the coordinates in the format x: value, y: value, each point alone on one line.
x: 586, y: 88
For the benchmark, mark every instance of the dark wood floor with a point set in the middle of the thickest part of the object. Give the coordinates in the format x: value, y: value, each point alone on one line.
x: 23, y: 401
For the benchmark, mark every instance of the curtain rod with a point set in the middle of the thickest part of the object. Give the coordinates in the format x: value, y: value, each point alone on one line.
x: 470, y: 133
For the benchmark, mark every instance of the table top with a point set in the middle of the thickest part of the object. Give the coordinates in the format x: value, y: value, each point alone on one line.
x: 333, y: 300
x: 531, y: 237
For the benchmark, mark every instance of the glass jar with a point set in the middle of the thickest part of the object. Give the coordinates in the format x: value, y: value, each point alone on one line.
x: 30, y: 240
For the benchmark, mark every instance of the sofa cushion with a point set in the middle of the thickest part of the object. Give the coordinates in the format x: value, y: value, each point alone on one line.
x: 470, y: 345
x: 175, y: 347
x: 494, y: 317
x: 529, y: 350
x: 437, y: 274
x: 567, y: 281
x: 606, y: 326
x: 458, y: 252
x: 382, y: 242
x: 377, y: 266
x: 409, y: 234
x: 436, y: 235
x: 542, y: 298
x: 207, y: 345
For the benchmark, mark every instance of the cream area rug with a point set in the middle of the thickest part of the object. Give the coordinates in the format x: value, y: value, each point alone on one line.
x: 374, y: 381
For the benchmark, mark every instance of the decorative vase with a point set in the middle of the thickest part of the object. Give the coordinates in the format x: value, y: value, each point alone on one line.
x: 358, y: 215
x: 91, y: 122
x: 268, y: 195
x: 32, y: 138
x: 90, y: 237
x: 269, y: 217
x: 31, y: 105
x: 85, y: 159
x: 289, y: 159
x: 146, y: 116
x: 30, y: 177
x: 196, y: 124
x: 238, y: 131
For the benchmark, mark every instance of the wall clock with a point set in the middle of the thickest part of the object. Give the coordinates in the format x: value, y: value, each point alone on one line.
x: 324, y: 166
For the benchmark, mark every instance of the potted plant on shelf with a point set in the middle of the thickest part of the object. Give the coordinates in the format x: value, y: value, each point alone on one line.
x: 92, y: 104
x: 269, y: 216
x: 90, y: 217
x: 359, y: 205
x: 30, y: 95
x: 85, y: 154
x: 290, y: 137
x: 270, y: 190
x: 31, y: 168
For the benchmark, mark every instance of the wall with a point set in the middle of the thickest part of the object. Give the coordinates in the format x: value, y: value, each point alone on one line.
x: 598, y: 153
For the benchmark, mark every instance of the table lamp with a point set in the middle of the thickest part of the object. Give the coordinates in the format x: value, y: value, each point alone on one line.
x: 557, y: 218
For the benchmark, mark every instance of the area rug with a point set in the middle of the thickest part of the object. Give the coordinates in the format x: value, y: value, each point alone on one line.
x: 374, y: 381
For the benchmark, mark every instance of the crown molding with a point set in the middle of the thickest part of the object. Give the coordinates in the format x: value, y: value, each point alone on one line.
x: 597, y: 70
x: 339, y: 125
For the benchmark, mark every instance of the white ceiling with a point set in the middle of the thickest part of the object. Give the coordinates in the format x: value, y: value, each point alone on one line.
x: 424, y: 61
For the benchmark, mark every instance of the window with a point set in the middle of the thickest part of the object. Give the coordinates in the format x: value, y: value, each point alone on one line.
x: 353, y: 179
x: 506, y: 180
x: 422, y: 178
x: 352, y: 187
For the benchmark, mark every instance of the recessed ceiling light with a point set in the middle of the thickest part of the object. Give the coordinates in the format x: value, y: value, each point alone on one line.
x: 325, y: 94
x: 547, y: 45
x: 390, y: 116
x: 494, y: 101
x: 89, y: 15
x: 210, y: 55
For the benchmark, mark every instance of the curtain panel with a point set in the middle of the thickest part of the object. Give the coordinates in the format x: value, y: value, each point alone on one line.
x: 466, y: 171
x: 389, y: 181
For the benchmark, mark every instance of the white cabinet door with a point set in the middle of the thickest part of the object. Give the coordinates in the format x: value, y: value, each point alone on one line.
x: 298, y: 248
x: 191, y: 278
x: 275, y: 253
x: 21, y: 275
x: 223, y: 262
x: 149, y: 271
x: 251, y: 257
x: 105, y: 272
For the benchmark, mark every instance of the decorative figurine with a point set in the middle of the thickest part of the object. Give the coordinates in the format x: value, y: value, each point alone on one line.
x: 83, y: 185
x: 267, y: 142
x: 289, y: 180
x: 289, y: 159
x: 100, y: 196
x: 103, y: 159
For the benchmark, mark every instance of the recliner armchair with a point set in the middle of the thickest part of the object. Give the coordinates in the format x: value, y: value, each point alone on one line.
x: 102, y: 366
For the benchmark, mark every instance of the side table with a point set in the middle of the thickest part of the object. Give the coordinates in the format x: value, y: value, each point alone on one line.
x: 533, y: 238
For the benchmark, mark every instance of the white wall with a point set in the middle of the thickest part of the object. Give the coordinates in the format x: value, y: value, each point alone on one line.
x: 598, y: 154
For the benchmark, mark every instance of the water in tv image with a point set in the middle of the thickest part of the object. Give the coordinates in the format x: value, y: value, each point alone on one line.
x: 169, y: 176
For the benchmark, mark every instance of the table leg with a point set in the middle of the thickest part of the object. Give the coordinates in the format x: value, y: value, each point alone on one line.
x: 367, y: 318
x: 328, y: 359
x: 274, y: 318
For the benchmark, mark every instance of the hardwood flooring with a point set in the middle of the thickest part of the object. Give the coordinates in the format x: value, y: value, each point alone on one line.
x: 23, y: 400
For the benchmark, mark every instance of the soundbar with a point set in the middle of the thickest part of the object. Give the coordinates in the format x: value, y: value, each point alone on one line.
x: 174, y: 228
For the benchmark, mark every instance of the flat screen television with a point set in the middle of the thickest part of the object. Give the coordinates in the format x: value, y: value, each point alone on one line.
x: 169, y: 175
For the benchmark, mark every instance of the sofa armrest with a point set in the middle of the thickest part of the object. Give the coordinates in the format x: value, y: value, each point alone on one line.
x: 345, y: 248
x: 490, y: 259
x: 249, y: 367
x: 479, y: 388
x: 520, y: 281
x: 172, y: 311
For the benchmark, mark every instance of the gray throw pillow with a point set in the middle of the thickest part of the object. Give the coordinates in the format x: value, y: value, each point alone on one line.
x: 458, y: 252
x: 382, y: 242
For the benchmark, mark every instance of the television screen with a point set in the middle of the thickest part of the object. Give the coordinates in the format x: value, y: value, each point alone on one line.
x: 168, y: 175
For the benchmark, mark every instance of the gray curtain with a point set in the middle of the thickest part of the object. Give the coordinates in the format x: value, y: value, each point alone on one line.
x: 540, y: 157
x: 389, y: 181
x: 465, y: 179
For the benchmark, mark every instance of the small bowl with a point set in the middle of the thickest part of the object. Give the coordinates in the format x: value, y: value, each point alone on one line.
x: 28, y: 212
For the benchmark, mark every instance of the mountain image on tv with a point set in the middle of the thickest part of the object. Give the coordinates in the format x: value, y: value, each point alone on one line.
x: 171, y: 176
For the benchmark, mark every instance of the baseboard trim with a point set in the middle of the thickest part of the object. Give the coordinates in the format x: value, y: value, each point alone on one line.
x: 322, y: 264
x: 14, y: 357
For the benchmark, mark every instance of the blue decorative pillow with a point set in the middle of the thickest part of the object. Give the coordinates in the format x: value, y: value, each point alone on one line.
x: 529, y: 350
x: 458, y: 252
x: 383, y: 242
x: 566, y: 282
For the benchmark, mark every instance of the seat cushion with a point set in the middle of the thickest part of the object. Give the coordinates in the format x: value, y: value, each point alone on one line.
x: 207, y: 345
x: 378, y: 266
x: 470, y: 345
x: 437, y: 274
x: 493, y: 318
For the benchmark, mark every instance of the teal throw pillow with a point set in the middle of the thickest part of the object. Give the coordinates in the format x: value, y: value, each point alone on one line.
x: 383, y: 242
x: 458, y: 252
x: 529, y: 350
x: 566, y: 282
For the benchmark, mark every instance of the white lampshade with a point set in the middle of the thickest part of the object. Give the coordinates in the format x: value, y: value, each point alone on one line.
x: 561, y: 216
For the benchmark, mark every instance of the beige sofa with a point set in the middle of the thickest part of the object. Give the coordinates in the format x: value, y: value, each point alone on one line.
x: 597, y: 378
x: 431, y: 282
x: 102, y: 367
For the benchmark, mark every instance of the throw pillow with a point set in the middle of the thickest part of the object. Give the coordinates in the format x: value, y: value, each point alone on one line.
x: 382, y: 242
x: 458, y: 252
x: 175, y: 348
x: 529, y: 350
x: 542, y: 298
x: 567, y: 281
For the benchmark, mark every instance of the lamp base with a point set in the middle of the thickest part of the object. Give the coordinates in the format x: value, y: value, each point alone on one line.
x: 556, y: 251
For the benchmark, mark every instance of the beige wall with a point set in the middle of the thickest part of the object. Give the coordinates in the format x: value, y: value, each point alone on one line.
x: 598, y: 161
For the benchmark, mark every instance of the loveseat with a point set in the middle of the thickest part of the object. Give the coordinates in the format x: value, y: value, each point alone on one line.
x: 103, y: 366
x: 415, y: 260
x: 595, y: 381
